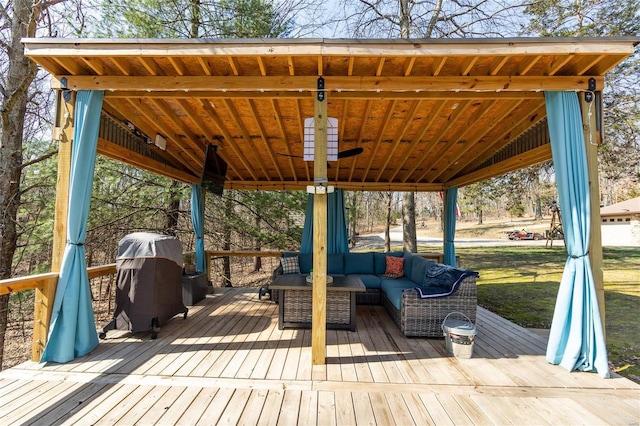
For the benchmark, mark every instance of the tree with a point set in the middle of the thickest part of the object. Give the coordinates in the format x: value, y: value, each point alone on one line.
x: 18, y: 19
x: 619, y: 155
x: 431, y: 19
x: 212, y: 19
x: 438, y: 19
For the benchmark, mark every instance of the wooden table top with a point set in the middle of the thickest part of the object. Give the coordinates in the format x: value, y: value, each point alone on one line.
x: 299, y: 282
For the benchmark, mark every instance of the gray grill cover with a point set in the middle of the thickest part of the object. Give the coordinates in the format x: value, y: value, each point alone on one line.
x: 149, y: 271
x: 146, y: 245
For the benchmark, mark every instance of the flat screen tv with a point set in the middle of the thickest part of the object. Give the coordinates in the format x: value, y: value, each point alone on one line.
x: 214, y: 171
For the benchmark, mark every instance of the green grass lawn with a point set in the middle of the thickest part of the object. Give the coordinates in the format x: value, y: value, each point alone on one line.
x: 521, y: 284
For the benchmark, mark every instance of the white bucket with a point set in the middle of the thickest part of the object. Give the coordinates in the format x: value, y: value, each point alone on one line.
x: 458, y: 335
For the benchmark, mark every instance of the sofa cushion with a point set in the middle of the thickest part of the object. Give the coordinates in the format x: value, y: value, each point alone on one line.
x: 419, y: 268
x: 395, y: 296
x: 335, y: 264
x: 390, y: 283
x: 369, y: 280
x: 306, y: 262
x: 358, y: 263
x: 290, y: 265
x: 408, y: 262
x: 380, y: 260
x: 395, y: 267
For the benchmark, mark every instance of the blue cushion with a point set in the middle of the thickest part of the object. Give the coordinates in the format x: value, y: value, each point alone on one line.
x: 419, y: 268
x: 358, y: 263
x: 380, y: 260
x: 395, y: 296
x: 369, y: 280
x: 408, y: 263
x: 306, y: 262
x: 391, y: 283
x: 335, y: 264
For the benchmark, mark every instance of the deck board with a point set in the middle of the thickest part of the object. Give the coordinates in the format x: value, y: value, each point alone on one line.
x: 228, y: 363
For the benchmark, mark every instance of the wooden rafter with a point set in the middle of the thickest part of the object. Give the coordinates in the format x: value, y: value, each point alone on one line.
x: 417, y: 138
x: 228, y: 141
x: 395, y: 144
x: 265, y: 138
x: 469, y: 131
x: 385, y: 120
x: 458, y: 111
x: 283, y: 134
x: 245, y: 134
x: 504, y: 111
x: 193, y: 149
x: 389, y: 98
x: 520, y: 124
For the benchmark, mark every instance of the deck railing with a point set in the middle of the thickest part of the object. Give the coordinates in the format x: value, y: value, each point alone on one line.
x: 102, y: 290
x: 103, y: 284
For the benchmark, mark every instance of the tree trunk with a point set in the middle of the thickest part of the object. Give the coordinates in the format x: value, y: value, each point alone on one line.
x: 173, y: 210
x: 479, y: 216
x: 257, y: 264
x: 354, y: 210
x: 13, y: 106
x: 538, y: 207
x: 387, y: 236
x: 409, y: 239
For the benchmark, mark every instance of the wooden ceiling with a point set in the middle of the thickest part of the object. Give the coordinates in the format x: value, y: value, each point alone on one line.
x: 428, y: 113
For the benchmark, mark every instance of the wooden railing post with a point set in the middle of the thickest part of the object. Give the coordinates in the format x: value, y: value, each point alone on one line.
x: 44, y: 296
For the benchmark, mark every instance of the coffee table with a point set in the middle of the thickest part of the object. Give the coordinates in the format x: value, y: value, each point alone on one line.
x: 296, y: 301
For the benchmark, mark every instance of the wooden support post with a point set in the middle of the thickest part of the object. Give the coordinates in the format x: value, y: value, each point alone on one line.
x: 44, y: 296
x: 319, y: 309
x: 592, y: 138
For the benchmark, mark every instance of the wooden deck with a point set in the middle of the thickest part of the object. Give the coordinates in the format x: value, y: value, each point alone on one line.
x: 228, y: 363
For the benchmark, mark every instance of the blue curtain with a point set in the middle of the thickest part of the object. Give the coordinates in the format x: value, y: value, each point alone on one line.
x: 72, y: 330
x: 450, y: 208
x: 197, y: 219
x: 337, y: 234
x: 576, y: 339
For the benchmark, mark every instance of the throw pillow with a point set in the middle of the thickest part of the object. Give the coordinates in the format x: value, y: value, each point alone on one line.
x: 395, y: 267
x: 290, y: 265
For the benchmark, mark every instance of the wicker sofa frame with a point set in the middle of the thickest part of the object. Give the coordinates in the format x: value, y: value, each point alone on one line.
x: 419, y: 317
x: 424, y: 317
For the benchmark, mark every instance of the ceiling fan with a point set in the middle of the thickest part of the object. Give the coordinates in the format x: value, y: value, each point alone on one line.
x: 341, y: 154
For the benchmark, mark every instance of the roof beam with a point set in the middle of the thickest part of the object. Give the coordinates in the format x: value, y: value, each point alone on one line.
x: 535, y: 156
x: 350, y: 186
x: 334, y: 95
x: 296, y: 83
x: 118, y: 153
x: 146, y: 120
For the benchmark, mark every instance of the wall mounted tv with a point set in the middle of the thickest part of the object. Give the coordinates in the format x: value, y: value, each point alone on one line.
x: 214, y: 171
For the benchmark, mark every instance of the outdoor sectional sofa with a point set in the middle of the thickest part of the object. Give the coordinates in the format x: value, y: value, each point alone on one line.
x: 418, y: 301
